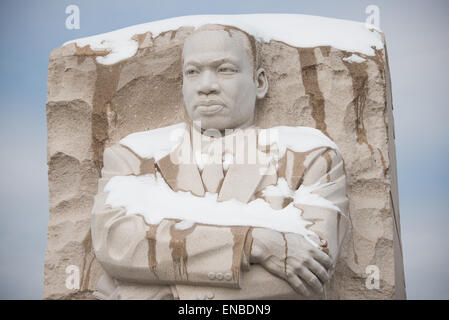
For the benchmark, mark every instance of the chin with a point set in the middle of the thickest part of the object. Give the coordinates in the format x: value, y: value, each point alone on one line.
x: 216, y: 122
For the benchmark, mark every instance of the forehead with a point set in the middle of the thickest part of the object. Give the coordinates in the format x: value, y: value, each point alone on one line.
x: 217, y: 44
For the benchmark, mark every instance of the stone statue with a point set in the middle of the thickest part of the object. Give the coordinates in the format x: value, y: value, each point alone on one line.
x: 152, y: 230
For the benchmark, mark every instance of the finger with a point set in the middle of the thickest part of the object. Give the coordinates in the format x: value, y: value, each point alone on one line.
x: 318, y: 270
x: 309, y: 278
x: 322, y: 258
x: 298, y: 285
x: 289, y: 276
x: 275, y: 269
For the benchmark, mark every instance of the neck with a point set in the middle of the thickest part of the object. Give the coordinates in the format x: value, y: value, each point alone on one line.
x: 213, y: 133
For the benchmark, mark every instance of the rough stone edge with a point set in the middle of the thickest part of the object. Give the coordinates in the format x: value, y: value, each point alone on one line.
x: 400, y: 288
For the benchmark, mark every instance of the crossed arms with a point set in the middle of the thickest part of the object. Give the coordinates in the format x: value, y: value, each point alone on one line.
x: 220, y: 256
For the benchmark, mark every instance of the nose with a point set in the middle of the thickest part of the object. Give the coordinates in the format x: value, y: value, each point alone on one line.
x: 208, y: 83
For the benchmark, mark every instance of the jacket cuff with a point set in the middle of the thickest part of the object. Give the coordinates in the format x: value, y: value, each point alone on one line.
x: 247, y: 249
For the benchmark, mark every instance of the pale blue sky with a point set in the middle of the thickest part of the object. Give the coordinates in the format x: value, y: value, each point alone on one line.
x: 416, y: 33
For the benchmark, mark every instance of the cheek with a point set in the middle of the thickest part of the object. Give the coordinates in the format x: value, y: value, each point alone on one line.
x: 187, y: 92
x: 237, y: 89
x: 188, y: 98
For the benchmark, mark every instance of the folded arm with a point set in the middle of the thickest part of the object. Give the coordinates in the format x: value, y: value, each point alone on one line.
x: 320, y: 183
x: 129, y: 249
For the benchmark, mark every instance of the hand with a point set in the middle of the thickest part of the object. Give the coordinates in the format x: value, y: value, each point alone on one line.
x: 291, y: 257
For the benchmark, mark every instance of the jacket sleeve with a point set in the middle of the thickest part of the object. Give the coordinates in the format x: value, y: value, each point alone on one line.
x: 129, y: 249
x: 322, y: 198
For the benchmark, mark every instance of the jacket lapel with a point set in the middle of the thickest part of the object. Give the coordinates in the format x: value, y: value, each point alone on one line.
x: 180, y: 171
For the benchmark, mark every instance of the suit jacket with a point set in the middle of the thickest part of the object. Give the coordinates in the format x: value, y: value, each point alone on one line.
x: 203, y: 261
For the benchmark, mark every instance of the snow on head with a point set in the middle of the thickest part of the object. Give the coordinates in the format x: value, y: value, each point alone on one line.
x: 293, y: 29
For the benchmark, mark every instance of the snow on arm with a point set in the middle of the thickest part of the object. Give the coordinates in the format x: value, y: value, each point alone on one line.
x: 151, y: 197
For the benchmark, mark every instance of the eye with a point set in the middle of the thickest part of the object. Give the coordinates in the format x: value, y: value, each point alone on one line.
x: 227, y: 69
x: 191, y: 71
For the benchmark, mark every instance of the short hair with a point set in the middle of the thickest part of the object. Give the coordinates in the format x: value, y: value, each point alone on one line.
x: 253, y: 46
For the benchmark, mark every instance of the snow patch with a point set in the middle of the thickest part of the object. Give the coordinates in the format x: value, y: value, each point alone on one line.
x: 297, y: 139
x: 155, y: 143
x: 280, y: 190
x: 160, y: 142
x: 354, y: 58
x: 151, y: 197
x: 294, y: 29
x: 184, y: 224
x: 304, y: 195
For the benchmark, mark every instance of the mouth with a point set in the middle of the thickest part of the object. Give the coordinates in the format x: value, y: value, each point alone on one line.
x: 209, y: 107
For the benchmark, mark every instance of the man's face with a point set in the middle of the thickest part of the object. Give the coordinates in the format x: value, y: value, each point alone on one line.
x: 218, y: 85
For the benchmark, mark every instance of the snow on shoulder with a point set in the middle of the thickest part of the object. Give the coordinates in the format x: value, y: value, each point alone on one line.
x: 158, y: 143
x: 297, y: 139
x: 155, y: 143
x: 297, y: 30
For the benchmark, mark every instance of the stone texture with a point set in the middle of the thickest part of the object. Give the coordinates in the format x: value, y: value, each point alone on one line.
x: 92, y: 106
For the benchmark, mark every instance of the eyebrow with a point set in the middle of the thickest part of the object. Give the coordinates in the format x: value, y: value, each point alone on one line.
x: 212, y: 62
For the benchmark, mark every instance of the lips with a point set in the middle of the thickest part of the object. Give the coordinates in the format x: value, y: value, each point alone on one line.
x: 209, y: 107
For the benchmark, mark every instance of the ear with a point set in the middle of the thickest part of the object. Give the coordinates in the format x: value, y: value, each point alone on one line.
x: 261, y: 83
